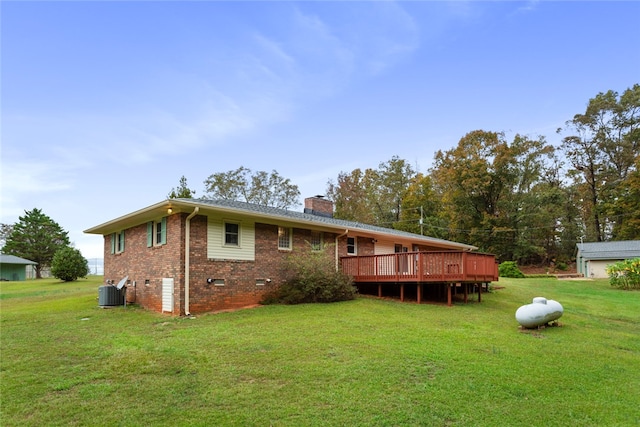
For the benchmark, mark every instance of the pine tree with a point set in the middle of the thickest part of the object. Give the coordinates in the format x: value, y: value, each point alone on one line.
x: 37, y: 238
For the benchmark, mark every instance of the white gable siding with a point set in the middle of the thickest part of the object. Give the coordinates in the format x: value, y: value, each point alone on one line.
x: 216, y: 249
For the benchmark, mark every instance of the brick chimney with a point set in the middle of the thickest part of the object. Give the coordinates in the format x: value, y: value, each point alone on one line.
x: 318, y: 205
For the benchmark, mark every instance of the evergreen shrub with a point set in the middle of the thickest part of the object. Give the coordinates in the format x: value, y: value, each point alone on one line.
x: 68, y: 265
x: 510, y: 269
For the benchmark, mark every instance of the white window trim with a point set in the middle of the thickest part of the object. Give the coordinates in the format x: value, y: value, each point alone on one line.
x: 318, y: 249
x: 224, y: 234
x: 355, y: 246
x: 290, y: 247
x: 118, y: 244
x: 152, y: 232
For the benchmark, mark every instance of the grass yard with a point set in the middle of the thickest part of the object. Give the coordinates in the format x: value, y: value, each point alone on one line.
x: 368, y: 362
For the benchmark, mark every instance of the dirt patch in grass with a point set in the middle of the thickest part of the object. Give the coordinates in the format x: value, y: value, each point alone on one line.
x: 546, y: 269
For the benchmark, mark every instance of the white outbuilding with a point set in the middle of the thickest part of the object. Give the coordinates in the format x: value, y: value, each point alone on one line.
x: 593, y: 257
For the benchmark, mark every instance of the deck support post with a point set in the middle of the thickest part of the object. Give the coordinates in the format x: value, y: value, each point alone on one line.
x: 466, y: 292
x: 379, y: 290
x: 419, y: 293
x: 402, y: 292
x: 480, y: 292
x: 449, y: 294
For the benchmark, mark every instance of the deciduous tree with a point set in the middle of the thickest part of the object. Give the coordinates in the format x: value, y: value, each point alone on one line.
x: 602, y: 146
x: 471, y: 181
x: 394, y: 178
x: 353, y: 195
x: 420, y: 209
x: 263, y: 188
x: 486, y: 186
x: 628, y: 204
x: 373, y: 196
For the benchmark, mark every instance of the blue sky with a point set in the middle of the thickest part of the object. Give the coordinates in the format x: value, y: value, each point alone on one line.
x: 105, y: 105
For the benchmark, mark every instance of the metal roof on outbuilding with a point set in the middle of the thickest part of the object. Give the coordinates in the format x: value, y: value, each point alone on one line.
x: 12, y: 259
x: 625, y: 249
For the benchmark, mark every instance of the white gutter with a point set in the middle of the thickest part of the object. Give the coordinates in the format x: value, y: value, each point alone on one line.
x: 187, y: 243
x: 337, y: 257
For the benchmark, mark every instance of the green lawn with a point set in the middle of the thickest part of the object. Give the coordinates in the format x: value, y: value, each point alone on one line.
x: 368, y: 362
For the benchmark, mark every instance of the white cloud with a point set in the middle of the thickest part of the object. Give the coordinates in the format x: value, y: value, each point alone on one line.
x: 262, y: 83
x: 34, y: 177
x: 26, y: 181
x: 529, y: 6
x: 390, y: 35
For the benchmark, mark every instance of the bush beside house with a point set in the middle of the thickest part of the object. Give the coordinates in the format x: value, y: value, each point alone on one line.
x: 313, y: 279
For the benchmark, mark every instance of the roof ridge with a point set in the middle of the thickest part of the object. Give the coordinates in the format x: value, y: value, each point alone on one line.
x: 258, y: 208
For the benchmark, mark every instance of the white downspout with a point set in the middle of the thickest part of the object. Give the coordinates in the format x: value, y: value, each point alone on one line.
x: 337, y: 257
x: 187, y: 243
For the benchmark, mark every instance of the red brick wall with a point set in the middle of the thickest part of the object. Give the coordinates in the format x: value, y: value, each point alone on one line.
x: 144, y: 264
x: 318, y: 204
x: 364, y: 246
x: 147, y: 266
x: 240, y: 288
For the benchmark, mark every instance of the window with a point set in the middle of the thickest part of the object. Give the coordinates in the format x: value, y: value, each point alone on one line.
x: 120, y: 242
x: 284, y: 238
x: 157, y: 232
x: 397, y: 248
x: 316, y: 240
x: 117, y: 242
x: 231, y: 234
x: 351, y: 246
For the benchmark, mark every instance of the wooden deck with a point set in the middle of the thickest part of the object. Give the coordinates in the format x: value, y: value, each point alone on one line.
x: 450, y: 269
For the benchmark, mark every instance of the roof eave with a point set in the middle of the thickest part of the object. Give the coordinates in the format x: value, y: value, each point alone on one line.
x: 131, y: 219
x: 184, y: 205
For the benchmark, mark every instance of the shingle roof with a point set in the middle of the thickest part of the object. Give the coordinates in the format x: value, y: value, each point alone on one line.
x: 12, y: 259
x: 317, y: 219
x: 625, y: 249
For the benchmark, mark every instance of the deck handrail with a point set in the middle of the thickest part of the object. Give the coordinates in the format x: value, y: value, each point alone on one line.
x: 430, y: 266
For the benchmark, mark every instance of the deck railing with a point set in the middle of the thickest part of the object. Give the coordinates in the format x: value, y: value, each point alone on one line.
x: 419, y: 267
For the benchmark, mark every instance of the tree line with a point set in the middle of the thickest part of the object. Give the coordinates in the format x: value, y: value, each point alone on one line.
x: 522, y: 199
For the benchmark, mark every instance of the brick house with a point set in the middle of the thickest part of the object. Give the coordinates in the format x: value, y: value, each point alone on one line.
x: 186, y: 256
